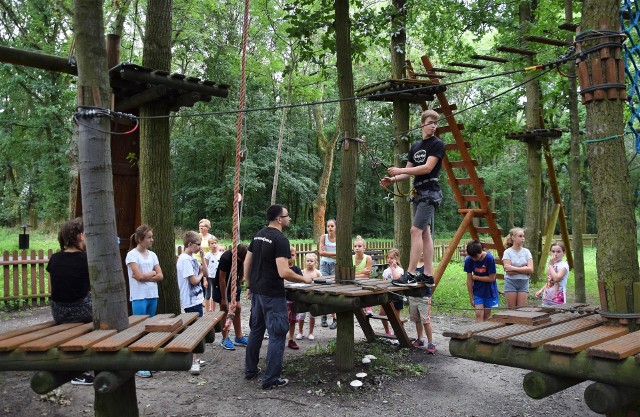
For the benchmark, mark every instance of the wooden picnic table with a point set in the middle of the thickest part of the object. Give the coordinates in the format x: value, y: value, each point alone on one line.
x: 164, y: 342
x: 325, y: 296
x: 573, y: 344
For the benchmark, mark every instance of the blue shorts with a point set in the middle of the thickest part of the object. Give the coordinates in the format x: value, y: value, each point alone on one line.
x: 145, y: 306
x: 516, y: 285
x: 487, y: 302
x: 195, y: 309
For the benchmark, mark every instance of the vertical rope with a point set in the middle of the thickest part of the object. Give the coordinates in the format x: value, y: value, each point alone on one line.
x: 236, y: 179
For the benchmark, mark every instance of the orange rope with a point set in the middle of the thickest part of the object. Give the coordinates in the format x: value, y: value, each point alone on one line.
x: 236, y: 181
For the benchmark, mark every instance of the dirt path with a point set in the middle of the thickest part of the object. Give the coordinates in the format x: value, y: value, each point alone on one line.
x: 452, y: 387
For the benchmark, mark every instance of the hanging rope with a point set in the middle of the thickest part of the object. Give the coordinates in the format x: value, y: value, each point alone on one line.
x: 236, y: 179
x: 632, y: 11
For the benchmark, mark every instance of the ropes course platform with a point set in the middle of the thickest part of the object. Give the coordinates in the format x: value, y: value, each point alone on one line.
x: 574, y: 345
x: 61, y: 352
x: 327, y: 297
x: 412, y: 91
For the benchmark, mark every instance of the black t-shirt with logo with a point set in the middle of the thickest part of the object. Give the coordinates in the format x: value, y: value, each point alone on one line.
x: 421, y: 151
x: 224, y: 265
x: 267, y: 245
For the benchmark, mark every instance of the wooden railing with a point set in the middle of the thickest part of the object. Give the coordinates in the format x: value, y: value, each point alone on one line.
x: 24, y: 278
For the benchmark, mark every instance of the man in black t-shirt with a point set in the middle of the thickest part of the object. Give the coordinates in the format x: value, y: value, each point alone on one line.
x: 266, y: 267
x: 424, y: 163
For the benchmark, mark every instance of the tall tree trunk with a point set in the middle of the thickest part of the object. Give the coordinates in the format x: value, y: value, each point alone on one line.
x: 344, y: 267
x: 617, y: 255
x: 327, y: 148
x: 94, y: 151
x: 575, y: 162
x: 283, y: 122
x: 401, y: 207
x: 534, y: 154
x: 156, y: 206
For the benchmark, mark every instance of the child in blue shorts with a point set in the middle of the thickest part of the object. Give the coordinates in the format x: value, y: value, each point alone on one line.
x: 480, y: 267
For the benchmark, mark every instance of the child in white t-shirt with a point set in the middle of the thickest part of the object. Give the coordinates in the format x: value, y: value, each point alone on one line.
x: 211, y: 260
x: 554, y: 292
x: 394, y: 271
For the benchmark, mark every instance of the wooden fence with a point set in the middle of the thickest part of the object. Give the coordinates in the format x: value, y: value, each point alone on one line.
x: 24, y: 277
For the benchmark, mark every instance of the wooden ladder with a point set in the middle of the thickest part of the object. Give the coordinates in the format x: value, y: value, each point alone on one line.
x: 467, y: 187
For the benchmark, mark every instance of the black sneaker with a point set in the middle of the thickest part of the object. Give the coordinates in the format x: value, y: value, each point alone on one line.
x: 406, y: 280
x: 85, y: 379
x: 280, y: 382
x: 324, y: 322
x: 426, y: 279
x: 251, y: 377
x: 334, y: 325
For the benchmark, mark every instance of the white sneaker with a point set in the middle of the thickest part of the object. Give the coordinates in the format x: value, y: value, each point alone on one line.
x: 311, y: 337
x: 195, y: 368
x: 299, y: 336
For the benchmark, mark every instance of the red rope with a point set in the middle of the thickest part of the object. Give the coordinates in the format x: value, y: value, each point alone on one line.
x: 236, y: 180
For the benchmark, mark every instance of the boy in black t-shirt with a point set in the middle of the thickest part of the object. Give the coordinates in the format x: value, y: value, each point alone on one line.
x: 222, y: 295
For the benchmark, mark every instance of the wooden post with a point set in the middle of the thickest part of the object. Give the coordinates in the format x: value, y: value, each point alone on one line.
x: 453, y: 247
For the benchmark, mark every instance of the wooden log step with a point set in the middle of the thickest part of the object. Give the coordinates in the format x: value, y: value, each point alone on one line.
x: 547, y: 41
x: 521, y: 317
x: 503, y: 333
x: 580, y: 341
x: 86, y: 340
x: 24, y: 330
x: 164, y: 325
x: 620, y: 348
x: 519, y: 51
x: 451, y: 106
x: 490, y: 58
x: 475, y: 198
x: 446, y: 129
x: 125, y: 337
x: 463, y: 164
x: 488, y: 230
x: 532, y: 340
x: 14, y: 342
x: 186, y: 341
x: 465, y: 332
x: 489, y: 245
x: 445, y: 70
x: 467, y: 65
x: 45, y: 343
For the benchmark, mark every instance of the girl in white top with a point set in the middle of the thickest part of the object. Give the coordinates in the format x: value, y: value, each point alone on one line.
x: 144, y: 272
x: 327, y: 252
x: 394, y: 271
x: 310, y: 270
x: 555, y: 291
x: 211, y: 260
x: 518, y: 265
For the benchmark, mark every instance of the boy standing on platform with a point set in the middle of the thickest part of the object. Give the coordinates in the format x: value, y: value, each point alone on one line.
x: 190, y: 274
x: 480, y: 267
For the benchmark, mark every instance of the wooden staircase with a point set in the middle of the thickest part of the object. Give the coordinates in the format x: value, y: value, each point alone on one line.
x: 468, y: 191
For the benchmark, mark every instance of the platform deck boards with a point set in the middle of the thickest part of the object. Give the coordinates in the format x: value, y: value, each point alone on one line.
x: 465, y: 332
x: 189, y: 339
x: 164, y: 325
x: 83, y: 342
x: 12, y: 343
x: 532, y: 340
x: 29, y: 329
x: 503, y: 333
x: 580, y: 341
x: 125, y: 337
x: 45, y: 343
x: 620, y: 348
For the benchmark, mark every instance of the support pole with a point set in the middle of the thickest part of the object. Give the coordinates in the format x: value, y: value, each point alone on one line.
x: 608, y: 399
x: 45, y: 381
x: 538, y: 385
x: 107, y: 382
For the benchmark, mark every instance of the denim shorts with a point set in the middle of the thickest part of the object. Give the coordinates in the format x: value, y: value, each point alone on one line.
x: 516, y: 285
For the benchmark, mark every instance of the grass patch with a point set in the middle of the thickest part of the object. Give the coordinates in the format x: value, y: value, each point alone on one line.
x: 316, y: 368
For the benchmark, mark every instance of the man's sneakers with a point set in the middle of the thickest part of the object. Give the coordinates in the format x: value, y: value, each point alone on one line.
x: 195, y: 368
x: 84, y: 379
x: 241, y: 341
x: 324, y: 323
x: 334, y: 324
x: 406, y: 280
x: 280, y: 382
x: 293, y: 345
x: 254, y: 375
x: 227, y: 344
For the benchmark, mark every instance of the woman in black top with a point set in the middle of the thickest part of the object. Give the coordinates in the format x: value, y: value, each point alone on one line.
x: 69, y: 272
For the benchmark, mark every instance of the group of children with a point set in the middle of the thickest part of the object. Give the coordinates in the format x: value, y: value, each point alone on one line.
x: 480, y: 267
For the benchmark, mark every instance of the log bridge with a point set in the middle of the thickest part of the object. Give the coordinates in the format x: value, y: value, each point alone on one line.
x: 327, y: 297
x: 59, y: 353
x: 563, y: 346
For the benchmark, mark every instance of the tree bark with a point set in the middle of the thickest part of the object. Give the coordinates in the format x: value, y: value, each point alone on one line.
x: 401, y: 207
x: 617, y: 255
x: 156, y: 205
x: 344, y: 266
x: 283, y: 122
x: 575, y: 162
x: 94, y: 151
x: 327, y: 149
x: 534, y: 155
